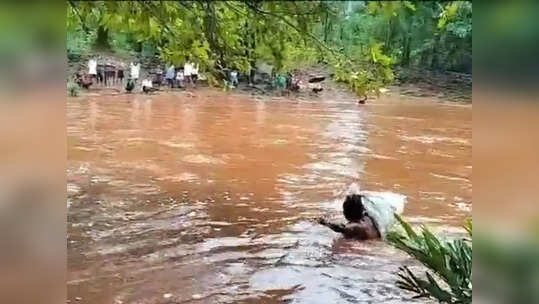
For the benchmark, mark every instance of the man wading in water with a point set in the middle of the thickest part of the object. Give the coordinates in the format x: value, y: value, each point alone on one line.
x: 360, y: 225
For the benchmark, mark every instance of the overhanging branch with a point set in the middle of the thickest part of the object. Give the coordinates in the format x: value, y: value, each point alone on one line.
x: 290, y: 24
x: 82, y: 22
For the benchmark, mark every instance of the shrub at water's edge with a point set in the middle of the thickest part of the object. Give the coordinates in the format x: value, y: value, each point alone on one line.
x: 447, y: 262
x: 73, y: 89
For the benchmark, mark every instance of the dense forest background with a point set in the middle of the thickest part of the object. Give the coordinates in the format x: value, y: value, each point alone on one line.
x: 364, y: 42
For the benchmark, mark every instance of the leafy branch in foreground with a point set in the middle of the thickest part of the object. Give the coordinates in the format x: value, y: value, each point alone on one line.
x: 449, y: 262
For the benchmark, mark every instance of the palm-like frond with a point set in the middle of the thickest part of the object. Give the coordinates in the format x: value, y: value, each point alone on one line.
x: 449, y: 262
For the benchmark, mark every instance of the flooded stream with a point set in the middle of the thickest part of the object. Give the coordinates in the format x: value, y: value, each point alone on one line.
x: 210, y: 198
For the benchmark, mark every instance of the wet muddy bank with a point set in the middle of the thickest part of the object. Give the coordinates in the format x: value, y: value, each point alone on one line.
x: 445, y: 86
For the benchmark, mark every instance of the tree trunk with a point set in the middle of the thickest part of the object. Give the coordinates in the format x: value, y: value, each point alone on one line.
x: 102, y: 40
x: 405, y: 61
x: 210, y: 27
x: 326, y: 27
x: 252, y: 57
x: 435, y: 62
x: 138, y: 47
x: 251, y: 33
x: 388, y: 35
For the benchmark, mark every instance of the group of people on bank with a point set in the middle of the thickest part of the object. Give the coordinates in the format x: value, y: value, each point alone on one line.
x: 175, y: 77
x: 108, y: 74
x: 113, y: 74
x: 183, y: 76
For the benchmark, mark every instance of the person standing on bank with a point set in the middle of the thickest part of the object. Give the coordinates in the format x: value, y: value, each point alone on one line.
x: 135, y: 71
x: 188, y: 72
x: 92, y: 69
x: 194, y: 73
x: 120, y: 73
x: 170, y: 75
x: 234, y: 78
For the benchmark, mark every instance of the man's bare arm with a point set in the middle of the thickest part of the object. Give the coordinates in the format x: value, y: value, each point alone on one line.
x: 360, y: 231
x: 341, y: 228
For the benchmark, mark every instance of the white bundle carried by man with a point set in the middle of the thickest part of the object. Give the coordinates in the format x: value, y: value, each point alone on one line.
x: 381, y: 207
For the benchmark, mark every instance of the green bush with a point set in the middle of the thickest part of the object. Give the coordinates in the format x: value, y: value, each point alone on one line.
x: 449, y: 262
x: 367, y: 74
x: 73, y: 89
x: 79, y: 43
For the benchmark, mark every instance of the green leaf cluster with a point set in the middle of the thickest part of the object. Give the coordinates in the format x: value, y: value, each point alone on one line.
x: 448, y: 262
x: 362, y: 41
x: 73, y: 89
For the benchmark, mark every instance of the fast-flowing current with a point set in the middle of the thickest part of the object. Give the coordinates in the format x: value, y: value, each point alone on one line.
x: 210, y: 197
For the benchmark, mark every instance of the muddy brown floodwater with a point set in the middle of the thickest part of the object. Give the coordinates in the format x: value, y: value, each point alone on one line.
x: 209, y: 198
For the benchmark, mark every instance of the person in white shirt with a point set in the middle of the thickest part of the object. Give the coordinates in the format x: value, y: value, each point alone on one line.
x: 92, y: 68
x: 147, y: 83
x: 188, y: 71
x: 135, y: 71
x: 171, y: 75
x: 234, y: 78
x: 147, y: 86
x: 194, y: 73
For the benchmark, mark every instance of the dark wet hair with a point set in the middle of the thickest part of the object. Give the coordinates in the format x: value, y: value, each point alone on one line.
x: 353, y: 207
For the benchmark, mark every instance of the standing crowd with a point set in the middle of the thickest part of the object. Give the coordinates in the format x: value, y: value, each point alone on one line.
x: 186, y: 76
x: 113, y: 74
x: 182, y: 77
x: 105, y: 74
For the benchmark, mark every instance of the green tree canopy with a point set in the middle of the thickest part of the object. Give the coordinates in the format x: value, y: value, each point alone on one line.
x: 361, y: 40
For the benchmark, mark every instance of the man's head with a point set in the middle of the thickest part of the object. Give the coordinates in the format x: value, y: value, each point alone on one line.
x: 353, y: 207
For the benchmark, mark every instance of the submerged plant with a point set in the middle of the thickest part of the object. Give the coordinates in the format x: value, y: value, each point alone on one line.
x: 449, y: 262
